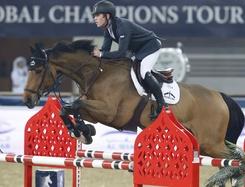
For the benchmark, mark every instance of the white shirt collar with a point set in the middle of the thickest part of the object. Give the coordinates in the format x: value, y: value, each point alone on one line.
x: 110, y: 30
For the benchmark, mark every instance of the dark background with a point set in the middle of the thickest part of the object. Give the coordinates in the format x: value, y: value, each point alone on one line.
x: 197, y: 38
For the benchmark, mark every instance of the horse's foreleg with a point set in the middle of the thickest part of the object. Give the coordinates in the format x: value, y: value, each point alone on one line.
x: 86, y: 116
x: 77, y: 127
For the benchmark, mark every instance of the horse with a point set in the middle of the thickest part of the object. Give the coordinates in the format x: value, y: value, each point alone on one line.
x: 45, y: 181
x: 108, y: 96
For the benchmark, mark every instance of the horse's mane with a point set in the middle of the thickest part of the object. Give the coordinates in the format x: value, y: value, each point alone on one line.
x: 85, y: 45
x: 71, y: 47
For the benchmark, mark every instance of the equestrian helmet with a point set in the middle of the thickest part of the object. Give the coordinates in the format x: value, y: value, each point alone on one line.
x: 104, y: 7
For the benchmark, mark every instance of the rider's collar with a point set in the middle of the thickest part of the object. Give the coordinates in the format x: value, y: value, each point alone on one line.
x: 109, y: 24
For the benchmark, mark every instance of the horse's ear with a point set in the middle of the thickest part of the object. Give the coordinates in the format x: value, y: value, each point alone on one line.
x: 39, y: 46
x: 32, y: 50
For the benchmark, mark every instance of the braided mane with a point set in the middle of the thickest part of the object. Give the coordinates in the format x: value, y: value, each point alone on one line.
x: 85, y: 45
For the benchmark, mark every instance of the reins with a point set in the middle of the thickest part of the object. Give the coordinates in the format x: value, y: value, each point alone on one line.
x: 32, y: 64
x: 91, y: 80
x: 93, y: 77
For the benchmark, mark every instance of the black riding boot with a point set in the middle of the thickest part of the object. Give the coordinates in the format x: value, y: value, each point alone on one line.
x: 153, y: 86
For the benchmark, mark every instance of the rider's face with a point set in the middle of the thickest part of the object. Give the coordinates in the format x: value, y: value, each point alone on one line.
x: 100, y: 20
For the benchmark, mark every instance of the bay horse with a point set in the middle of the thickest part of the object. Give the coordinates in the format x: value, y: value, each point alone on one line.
x: 108, y: 96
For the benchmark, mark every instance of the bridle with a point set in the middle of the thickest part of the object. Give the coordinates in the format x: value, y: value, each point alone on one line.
x: 32, y: 66
x: 37, y: 62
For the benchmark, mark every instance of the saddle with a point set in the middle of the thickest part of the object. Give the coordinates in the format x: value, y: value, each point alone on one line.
x: 164, y: 76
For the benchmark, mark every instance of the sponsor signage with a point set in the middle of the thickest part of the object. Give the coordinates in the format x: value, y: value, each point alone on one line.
x: 14, y: 118
x: 12, y: 124
x: 169, y: 18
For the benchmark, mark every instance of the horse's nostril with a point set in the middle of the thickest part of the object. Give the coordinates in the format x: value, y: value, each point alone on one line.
x: 29, y: 100
x: 29, y: 103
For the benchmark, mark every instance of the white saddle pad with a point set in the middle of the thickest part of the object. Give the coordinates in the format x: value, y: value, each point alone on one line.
x: 170, y: 91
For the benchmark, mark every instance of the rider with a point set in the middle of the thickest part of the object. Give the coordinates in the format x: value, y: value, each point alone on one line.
x: 144, y: 44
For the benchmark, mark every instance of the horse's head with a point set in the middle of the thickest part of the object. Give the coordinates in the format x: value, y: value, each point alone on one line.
x: 41, y: 76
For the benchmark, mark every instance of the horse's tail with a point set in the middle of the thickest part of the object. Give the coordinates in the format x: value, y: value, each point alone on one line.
x: 236, y: 120
x: 236, y: 174
x: 235, y: 126
x: 234, y: 129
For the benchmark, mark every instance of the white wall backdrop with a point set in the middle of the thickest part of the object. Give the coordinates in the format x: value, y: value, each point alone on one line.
x: 14, y: 118
x: 12, y: 124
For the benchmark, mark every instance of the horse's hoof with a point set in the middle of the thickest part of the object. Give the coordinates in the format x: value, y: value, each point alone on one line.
x: 92, y: 130
x: 89, y: 140
x: 82, y: 139
x: 72, y: 135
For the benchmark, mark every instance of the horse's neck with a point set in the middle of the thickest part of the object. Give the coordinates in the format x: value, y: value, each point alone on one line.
x: 116, y: 66
x: 75, y: 66
x: 82, y: 67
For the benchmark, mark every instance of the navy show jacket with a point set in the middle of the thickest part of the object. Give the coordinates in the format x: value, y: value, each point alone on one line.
x: 130, y: 37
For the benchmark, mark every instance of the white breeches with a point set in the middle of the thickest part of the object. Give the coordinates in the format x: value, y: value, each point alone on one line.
x: 148, y: 62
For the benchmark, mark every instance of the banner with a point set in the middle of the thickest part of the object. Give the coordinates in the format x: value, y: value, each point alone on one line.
x: 14, y: 118
x: 12, y: 126
x: 168, y: 18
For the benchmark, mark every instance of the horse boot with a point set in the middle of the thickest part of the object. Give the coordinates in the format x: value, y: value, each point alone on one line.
x: 64, y: 114
x: 87, y: 130
x: 154, y: 88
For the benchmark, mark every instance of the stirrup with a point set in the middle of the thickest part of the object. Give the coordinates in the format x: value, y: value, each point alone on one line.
x: 153, y: 114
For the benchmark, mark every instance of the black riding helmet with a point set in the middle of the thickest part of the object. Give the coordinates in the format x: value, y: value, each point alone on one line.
x: 104, y: 7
